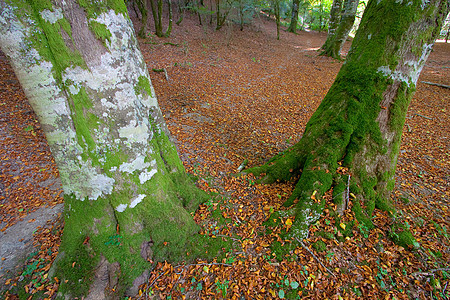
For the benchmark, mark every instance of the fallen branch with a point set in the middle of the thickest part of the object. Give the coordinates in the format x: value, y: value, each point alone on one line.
x: 437, y: 84
x: 160, y: 71
x: 171, y: 44
x: 424, y: 116
x: 304, y: 246
x: 430, y: 272
x: 243, y: 165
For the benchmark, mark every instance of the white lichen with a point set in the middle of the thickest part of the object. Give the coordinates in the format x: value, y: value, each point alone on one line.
x: 146, y: 176
x: 137, y: 164
x: 136, y: 200
x: 52, y: 16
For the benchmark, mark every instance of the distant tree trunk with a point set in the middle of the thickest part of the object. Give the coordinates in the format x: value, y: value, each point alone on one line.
x: 181, y: 10
x: 334, y: 46
x: 294, y: 16
x: 241, y: 15
x: 333, y: 22
x: 127, y: 196
x: 157, y: 11
x: 359, y: 123
x: 276, y: 8
x: 141, y: 4
x: 220, y: 17
x: 321, y: 16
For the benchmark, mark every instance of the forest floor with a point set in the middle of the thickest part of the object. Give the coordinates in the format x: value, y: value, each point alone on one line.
x: 231, y: 96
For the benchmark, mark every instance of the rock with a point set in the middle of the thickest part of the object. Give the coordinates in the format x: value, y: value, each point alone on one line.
x: 16, y: 243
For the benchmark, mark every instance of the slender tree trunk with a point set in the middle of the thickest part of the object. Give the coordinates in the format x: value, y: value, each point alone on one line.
x: 157, y: 16
x: 333, y: 47
x: 359, y: 122
x: 241, y: 14
x: 181, y: 11
x: 127, y: 196
x: 333, y: 23
x: 276, y: 4
x: 169, y: 27
x: 144, y: 18
x: 321, y: 16
x: 294, y: 16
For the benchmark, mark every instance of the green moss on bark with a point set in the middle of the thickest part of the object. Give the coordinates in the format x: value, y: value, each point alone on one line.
x: 101, y: 31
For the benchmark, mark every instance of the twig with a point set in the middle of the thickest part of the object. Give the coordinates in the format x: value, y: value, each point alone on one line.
x: 165, y: 73
x: 226, y: 236
x: 437, y: 84
x: 430, y: 272
x: 304, y: 246
x: 424, y: 116
x: 348, y: 193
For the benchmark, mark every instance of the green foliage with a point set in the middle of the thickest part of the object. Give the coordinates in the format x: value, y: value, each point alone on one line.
x: 319, y: 246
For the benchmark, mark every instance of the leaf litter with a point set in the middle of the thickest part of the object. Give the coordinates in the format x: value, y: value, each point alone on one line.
x: 244, y: 97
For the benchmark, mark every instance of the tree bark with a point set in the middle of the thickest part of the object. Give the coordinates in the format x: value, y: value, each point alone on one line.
x: 333, y: 22
x: 359, y: 123
x: 294, y: 16
x: 127, y: 196
x: 333, y: 47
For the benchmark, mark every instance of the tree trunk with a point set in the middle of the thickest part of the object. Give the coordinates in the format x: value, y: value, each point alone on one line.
x: 169, y: 26
x: 276, y: 4
x: 333, y: 47
x: 127, y: 196
x: 144, y: 18
x: 359, y: 123
x: 333, y: 22
x: 294, y: 16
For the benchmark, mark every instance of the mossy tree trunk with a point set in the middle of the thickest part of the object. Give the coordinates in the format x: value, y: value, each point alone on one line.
x: 294, y: 16
x: 333, y: 22
x: 276, y: 10
x: 157, y: 11
x: 142, y: 7
x: 335, y: 41
x: 127, y: 196
x: 359, y: 122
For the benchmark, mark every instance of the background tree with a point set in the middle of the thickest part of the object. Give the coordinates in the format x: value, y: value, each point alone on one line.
x: 333, y: 22
x: 157, y: 12
x: 337, y: 37
x: 359, y: 123
x: 127, y: 196
x: 294, y: 16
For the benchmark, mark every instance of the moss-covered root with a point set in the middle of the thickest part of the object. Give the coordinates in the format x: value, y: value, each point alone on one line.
x: 281, y: 167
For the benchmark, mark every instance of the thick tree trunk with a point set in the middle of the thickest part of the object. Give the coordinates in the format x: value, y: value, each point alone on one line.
x: 359, y: 123
x: 333, y: 22
x: 334, y: 46
x: 294, y: 16
x: 127, y: 196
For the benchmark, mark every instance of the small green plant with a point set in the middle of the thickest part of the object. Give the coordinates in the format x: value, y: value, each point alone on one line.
x: 364, y: 230
x: 30, y: 268
x: 114, y: 240
x: 222, y: 287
